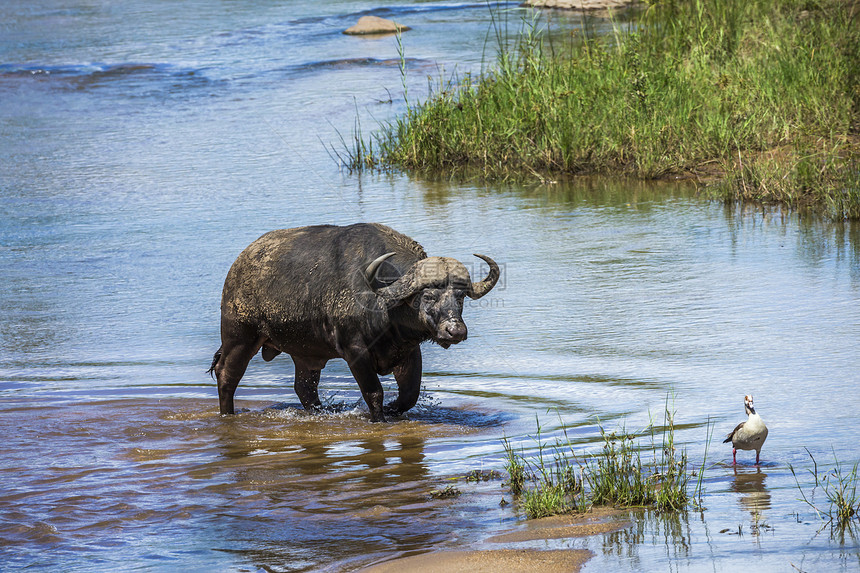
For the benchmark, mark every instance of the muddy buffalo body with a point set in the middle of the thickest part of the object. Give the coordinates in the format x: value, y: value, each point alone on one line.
x: 364, y: 293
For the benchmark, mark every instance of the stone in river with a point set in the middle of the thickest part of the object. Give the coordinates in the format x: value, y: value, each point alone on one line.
x: 375, y: 25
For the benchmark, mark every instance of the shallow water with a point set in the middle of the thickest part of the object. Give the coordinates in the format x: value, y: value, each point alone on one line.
x: 145, y: 145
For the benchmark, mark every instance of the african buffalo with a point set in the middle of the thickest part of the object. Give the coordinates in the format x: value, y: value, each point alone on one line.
x: 364, y: 293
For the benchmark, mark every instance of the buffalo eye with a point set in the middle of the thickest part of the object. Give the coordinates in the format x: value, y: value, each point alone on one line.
x: 421, y: 299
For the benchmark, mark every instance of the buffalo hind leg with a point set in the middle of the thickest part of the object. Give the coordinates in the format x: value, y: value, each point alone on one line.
x: 306, y: 386
x: 408, y: 376
x: 229, y: 369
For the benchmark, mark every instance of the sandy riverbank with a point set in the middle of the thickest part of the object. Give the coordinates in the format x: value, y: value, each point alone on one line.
x: 511, y: 558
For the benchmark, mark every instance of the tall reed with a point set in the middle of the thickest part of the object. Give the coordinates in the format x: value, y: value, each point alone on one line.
x: 839, y: 486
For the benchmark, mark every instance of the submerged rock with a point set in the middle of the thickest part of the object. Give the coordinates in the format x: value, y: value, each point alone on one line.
x: 375, y: 25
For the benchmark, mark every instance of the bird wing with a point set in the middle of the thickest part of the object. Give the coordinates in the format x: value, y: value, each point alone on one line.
x: 732, y: 433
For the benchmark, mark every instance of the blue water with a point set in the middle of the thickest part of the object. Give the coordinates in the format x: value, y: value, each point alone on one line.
x: 145, y: 144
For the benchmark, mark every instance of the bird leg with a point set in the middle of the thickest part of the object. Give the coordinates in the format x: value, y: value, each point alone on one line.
x: 734, y: 456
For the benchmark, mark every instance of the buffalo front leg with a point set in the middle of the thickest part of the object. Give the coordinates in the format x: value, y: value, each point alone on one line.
x: 408, y: 376
x: 362, y: 369
x: 229, y: 369
x: 306, y: 386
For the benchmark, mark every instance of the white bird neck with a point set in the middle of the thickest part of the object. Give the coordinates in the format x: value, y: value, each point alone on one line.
x: 755, y: 420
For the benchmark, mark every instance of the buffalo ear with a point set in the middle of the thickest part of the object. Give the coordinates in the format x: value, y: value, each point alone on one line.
x: 401, y: 289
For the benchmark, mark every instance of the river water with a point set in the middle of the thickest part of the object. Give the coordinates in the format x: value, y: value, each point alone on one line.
x: 145, y: 144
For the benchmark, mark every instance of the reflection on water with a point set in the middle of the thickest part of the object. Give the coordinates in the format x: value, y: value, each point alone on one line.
x: 750, y: 484
x: 173, y: 478
x: 670, y: 532
x: 566, y: 193
x: 754, y: 497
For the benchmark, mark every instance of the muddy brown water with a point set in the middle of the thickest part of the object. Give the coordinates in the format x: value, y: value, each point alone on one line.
x: 144, y: 145
x: 167, y: 482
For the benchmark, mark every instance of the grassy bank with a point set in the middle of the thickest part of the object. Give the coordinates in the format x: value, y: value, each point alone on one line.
x: 761, y: 95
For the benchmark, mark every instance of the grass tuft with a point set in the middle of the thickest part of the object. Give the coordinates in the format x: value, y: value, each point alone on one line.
x: 839, y: 486
x: 617, y: 475
x: 558, y: 489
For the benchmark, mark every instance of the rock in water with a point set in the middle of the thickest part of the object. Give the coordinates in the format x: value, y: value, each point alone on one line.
x: 368, y: 25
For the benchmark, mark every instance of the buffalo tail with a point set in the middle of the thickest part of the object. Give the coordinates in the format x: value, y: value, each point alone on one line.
x: 215, y: 360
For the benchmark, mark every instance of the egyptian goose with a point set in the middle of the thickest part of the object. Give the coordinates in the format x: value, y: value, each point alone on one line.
x: 749, y: 435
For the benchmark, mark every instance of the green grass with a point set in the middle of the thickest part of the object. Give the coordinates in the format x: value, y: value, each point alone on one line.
x: 558, y: 488
x: 762, y: 95
x: 556, y: 480
x: 839, y: 486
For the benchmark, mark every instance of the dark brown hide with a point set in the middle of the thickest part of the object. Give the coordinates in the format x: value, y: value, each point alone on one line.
x: 318, y: 293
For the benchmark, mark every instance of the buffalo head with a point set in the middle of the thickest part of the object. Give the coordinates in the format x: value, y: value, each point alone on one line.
x: 435, y: 288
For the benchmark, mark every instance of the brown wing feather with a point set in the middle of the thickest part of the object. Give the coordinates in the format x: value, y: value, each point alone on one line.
x: 732, y: 433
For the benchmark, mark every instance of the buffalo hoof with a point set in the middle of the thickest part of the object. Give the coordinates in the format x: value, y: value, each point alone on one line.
x: 393, y: 411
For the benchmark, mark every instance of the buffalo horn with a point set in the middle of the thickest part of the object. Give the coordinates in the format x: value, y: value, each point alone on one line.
x: 486, y: 285
x: 370, y: 271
